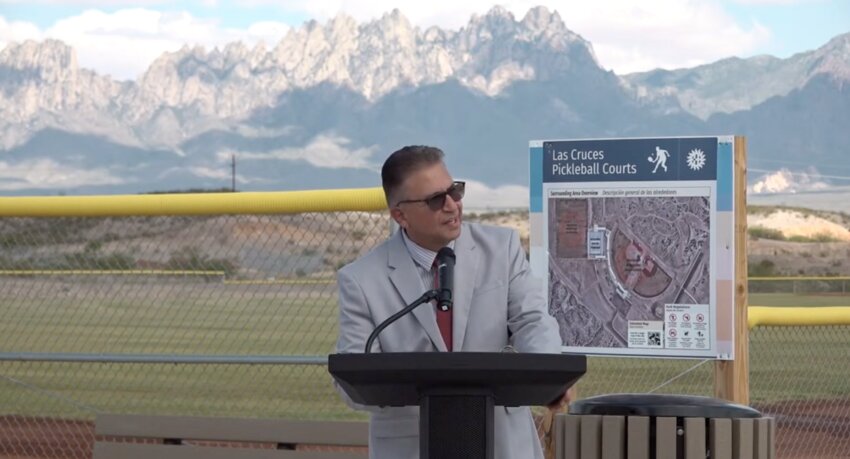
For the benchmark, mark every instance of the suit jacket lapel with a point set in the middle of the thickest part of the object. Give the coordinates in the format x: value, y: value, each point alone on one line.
x: 405, y: 278
x: 466, y: 268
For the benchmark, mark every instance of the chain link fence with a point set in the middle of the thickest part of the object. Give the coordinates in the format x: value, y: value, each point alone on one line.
x: 801, y: 377
x: 234, y: 316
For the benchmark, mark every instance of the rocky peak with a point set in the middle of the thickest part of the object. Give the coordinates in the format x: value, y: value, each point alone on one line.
x: 833, y: 58
x: 41, y: 84
x: 235, y: 51
x: 435, y: 34
x: 548, y: 27
x: 839, y: 45
x: 539, y: 18
x: 192, y: 87
x: 497, y: 22
x: 705, y: 90
x: 341, y: 26
x: 498, y: 16
x: 50, y: 61
x: 394, y: 29
x: 394, y: 19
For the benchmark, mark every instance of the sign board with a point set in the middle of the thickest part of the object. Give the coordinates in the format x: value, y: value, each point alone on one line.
x: 635, y: 240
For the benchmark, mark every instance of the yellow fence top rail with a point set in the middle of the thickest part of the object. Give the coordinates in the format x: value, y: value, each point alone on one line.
x: 797, y: 316
x: 796, y: 278
x: 280, y: 202
x: 108, y: 272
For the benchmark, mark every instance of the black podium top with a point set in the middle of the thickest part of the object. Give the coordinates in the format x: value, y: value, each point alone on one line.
x: 399, y: 379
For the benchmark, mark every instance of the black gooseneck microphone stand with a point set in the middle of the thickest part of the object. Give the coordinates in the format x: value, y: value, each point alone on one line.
x: 426, y: 297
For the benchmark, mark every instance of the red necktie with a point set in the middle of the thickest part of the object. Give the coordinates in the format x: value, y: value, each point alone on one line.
x: 444, y: 318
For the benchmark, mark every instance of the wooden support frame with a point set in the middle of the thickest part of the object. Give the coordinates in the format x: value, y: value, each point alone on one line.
x: 731, y: 377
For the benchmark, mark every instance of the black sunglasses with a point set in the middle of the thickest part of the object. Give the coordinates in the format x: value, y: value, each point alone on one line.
x: 437, y: 201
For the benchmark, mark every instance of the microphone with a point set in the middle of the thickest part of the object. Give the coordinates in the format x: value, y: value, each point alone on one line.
x: 445, y: 263
x: 426, y: 297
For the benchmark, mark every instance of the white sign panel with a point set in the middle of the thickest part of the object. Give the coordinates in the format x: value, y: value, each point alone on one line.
x: 635, y: 238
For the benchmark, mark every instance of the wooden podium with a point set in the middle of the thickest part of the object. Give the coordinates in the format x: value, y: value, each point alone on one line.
x: 456, y: 391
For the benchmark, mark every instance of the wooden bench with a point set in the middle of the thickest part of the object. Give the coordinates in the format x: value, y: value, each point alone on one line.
x: 186, y: 437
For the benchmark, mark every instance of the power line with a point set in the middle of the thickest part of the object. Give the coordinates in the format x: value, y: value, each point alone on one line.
x: 233, y: 173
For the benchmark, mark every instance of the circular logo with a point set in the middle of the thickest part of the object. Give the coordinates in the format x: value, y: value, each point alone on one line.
x: 696, y: 159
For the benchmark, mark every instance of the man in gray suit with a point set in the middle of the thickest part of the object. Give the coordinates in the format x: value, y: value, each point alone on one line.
x: 497, y: 303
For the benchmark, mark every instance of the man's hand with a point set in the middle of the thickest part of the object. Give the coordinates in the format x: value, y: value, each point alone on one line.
x: 564, y: 401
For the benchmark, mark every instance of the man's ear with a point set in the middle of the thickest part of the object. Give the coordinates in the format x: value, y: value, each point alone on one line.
x: 398, y: 216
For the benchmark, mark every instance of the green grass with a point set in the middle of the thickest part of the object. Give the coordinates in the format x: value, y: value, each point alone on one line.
x: 211, y: 318
x: 183, y: 319
x: 204, y: 319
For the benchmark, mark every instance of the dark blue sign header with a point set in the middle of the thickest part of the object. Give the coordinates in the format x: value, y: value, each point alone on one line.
x: 619, y: 160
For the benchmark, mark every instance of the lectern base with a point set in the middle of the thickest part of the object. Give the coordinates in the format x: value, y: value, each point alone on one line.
x: 456, y: 425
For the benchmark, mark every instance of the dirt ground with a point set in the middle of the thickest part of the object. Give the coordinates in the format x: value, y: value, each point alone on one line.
x: 28, y: 437
x: 806, y: 430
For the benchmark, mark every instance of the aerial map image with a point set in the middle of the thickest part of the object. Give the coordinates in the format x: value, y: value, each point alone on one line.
x: 615, y: 264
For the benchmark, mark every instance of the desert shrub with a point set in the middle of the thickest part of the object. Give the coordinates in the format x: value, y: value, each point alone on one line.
x: 93, y: 246
x: 760, y: 232
x: 764, y: 268
x: 824, y: 237
x: 191, y: 258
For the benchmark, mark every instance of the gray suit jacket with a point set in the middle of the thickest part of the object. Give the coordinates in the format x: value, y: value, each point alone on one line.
x: 496, y: 302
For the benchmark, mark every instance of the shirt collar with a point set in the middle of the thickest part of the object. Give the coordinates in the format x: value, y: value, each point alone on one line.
x: 421, y: 256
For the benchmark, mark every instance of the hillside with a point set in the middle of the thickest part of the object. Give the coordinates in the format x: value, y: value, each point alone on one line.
x: 786, y: 241
x: 799, y: 223
x: 783, y: 241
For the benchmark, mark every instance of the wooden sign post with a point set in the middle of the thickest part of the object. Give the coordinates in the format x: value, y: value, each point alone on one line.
x: 731, y: 377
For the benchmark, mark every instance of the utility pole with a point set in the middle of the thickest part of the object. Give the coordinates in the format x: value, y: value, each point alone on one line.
x: 233, y: 173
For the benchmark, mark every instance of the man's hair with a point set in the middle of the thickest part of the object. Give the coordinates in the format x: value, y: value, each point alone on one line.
x: 404, y: 162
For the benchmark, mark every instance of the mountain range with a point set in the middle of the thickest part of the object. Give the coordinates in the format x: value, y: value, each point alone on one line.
x: 325, y: 105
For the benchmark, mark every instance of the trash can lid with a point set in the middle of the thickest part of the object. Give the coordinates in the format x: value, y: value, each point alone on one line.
x: 663, y: 405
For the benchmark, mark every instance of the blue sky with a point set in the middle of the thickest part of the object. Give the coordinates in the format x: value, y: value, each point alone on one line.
x: 794, y: 26
x: 627, y: 36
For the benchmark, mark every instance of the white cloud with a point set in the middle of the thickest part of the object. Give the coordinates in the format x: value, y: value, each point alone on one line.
x: 785, y: 181
x: 482, y: 197
x: 125, y: 42
x: 329, y: 151
x: 17, y: 31
x: 218, y: 174
x: 48, y: 174
x: 269, y: 32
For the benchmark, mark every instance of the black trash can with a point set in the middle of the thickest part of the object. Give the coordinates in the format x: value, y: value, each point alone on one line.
x: 665, y: 426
